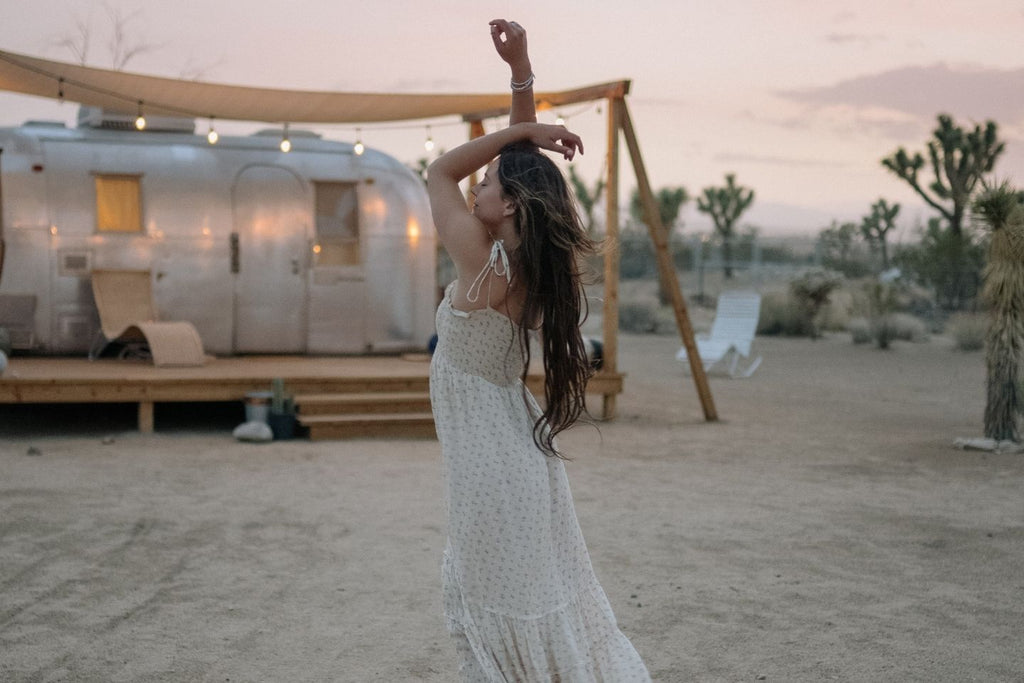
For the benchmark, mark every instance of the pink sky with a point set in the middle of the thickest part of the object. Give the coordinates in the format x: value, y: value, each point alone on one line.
x: 799, y: 98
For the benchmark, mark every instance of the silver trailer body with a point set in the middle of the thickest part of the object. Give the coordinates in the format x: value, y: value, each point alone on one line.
x: 314, y: 251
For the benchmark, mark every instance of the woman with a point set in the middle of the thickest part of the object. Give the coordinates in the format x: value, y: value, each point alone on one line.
x: 520, y: 596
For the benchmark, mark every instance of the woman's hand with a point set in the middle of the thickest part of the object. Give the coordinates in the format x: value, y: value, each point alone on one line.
x: 511, y: 48
x: 554, y: 138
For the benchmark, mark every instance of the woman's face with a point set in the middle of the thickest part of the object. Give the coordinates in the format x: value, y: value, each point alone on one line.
x: 490, y: 206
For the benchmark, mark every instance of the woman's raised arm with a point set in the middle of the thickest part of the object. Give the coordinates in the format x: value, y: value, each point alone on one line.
x: 455, y: 224
x: 510, y: 42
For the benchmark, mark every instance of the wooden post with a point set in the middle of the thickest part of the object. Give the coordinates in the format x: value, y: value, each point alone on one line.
x: 667, y: 270
x: 476, y: 130
x: 146, y: 417
x: 610, y: 352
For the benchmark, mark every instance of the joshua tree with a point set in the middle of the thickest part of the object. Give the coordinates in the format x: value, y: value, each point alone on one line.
x: 876, y: 226
x: 670, y: 202
x: 725, y: 205
x: 959, y: 159
x: 586, y: 197
x: 1001, y: 209
x: 835, y: 245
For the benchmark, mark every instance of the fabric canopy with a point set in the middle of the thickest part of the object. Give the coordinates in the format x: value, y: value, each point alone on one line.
x: 128, y: 92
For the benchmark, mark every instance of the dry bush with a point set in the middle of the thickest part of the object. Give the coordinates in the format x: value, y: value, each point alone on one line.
x: 968, y: 330
x: 782, y: 315
x: 906, y: 327
x: 860, y: 330
x: 835, y: 315
x: 637, y: 317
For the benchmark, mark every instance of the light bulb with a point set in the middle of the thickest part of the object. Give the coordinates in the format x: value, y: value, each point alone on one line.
x: 286, y: 144
x: 559, y: 121
x: 140, y: 120
x: 429, y: 144
x: 212, y: 137
x: 359, y: 148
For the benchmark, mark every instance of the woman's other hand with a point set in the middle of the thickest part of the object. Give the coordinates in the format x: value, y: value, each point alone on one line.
x: 555, y: 138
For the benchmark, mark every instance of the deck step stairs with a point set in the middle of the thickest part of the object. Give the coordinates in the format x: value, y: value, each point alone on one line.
x: 392, y: 414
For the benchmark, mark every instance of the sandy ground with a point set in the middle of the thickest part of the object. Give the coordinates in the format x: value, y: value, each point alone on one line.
x: 824, y: 529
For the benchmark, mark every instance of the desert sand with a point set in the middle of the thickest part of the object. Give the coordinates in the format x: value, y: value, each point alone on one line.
x: 825, y: 529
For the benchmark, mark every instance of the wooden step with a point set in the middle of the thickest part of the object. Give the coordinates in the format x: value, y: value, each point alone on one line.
x: 364, y: 425
x: 363, y: 402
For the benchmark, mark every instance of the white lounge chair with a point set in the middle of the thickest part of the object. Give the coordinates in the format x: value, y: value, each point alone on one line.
x: 732, y: 333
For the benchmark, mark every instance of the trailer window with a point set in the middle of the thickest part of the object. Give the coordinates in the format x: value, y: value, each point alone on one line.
x: 118, y: 203
x: 337, y: 225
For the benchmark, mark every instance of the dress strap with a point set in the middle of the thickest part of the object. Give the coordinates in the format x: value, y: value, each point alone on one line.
x: 497, y: 262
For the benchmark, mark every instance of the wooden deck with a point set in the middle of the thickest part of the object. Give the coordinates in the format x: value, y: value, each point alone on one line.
x: 75, y: 380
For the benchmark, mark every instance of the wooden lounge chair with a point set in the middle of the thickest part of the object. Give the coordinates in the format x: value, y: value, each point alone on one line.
x: 124, y: 299
x: 727, y: 347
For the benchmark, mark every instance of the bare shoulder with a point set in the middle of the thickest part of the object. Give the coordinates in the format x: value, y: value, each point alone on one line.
x: 467, y: 243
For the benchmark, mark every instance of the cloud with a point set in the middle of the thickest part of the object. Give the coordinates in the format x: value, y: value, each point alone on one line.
x: 730, y: 157
x: 925, y: 91
x: 859, y: 38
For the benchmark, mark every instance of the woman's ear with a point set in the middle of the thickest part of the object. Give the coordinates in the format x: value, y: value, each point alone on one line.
x: 510, y: 208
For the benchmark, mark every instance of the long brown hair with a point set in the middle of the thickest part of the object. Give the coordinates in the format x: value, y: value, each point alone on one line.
x: 552, y: 244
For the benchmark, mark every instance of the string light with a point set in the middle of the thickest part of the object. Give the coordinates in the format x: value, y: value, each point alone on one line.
x: 140, y: 120
x: 213, y: 137
x: 286, y: 144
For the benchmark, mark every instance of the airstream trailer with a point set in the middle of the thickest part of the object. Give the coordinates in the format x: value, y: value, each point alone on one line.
x: 315, y: 251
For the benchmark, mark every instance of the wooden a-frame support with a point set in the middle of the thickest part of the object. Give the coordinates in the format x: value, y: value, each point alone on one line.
x: 620, y: 121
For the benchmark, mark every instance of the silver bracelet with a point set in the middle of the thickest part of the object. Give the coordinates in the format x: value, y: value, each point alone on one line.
x: 524, y: 86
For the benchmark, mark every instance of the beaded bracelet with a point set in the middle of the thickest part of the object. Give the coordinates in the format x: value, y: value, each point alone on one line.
x: 524, y: 86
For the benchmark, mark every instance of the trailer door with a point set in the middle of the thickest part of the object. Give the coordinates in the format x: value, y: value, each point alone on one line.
x: 269, y: 255
x: 337, y: 292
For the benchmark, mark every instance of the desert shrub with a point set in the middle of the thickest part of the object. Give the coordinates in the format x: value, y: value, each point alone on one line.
x: 882, y: 302
x: 811, y: 292
x: 968, y: 330
x: 641, y: 318
x: 906, y: 327
x: 918, y: 301
x: 887, y: 328
x: 860, y: 330
x: 781, y: 315
x: 835, y: 315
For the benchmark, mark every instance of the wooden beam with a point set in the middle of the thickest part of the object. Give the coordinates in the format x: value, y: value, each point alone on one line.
x: 610, y: 352
x: 659, y: 235
x: 549, y: 100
